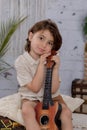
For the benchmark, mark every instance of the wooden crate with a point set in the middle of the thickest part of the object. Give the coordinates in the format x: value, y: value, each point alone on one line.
x: 79, y: 89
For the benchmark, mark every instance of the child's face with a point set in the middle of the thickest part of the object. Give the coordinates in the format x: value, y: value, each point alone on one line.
x: 41, y: 42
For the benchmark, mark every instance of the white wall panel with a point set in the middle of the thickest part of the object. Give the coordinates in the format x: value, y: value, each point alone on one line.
x: 34, y: 9
x: 69, y: 16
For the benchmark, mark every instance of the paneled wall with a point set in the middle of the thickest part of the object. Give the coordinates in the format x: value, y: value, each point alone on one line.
x: 34, y: 9
x: 20, y: 8
x: 69, y: 17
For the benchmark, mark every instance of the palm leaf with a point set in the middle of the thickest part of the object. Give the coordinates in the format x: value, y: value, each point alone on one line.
x: 85, y: 26
x: 4, y: 66
x: 6, y: 31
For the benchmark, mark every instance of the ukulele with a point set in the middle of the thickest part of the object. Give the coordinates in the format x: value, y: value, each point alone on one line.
x: 47, y: 111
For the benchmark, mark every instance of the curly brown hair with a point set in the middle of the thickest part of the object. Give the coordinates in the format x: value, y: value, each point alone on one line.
x: 46, y: 25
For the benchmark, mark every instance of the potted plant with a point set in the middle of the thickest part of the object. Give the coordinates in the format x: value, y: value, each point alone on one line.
x: 7, y: 29
x: 85, y: 47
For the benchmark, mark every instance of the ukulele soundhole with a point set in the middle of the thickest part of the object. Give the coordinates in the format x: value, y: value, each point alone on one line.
x: 44, y: 120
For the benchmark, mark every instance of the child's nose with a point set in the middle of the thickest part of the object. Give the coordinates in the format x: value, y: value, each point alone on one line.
x: 44, y: 44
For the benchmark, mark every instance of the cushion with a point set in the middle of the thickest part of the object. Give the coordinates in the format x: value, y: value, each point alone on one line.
x: 79, y: 121
x: 10, y: 106
x: 72, y: 103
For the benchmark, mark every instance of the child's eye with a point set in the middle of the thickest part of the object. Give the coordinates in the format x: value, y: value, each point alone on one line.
x: 41, y: 38
x: 50, y: 43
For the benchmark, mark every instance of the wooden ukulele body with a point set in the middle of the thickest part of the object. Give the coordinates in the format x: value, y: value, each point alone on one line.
x: 46, y: 117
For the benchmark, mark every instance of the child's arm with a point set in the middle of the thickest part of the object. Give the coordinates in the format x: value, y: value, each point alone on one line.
x: 38, y: 80
x: 36, y: 83
x: 55, y: 76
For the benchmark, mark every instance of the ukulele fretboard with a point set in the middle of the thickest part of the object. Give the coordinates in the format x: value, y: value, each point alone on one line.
x: 47, y: 98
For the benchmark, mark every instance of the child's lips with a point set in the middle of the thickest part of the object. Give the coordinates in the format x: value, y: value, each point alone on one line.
x: 42, y: 50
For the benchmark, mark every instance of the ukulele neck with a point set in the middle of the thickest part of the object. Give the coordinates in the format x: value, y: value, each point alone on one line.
x: 47, y: 98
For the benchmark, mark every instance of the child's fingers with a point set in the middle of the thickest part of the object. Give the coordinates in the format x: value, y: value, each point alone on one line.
x: 47, y: 54
x: 56, y: 58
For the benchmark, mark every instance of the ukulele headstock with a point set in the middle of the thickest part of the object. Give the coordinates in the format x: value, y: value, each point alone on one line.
x: 50, y: 63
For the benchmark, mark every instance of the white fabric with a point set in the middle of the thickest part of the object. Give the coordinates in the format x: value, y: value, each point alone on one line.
x: 26, y: 67
x: 10, y: 106
x: 72, y: 103
x: 79, y: 121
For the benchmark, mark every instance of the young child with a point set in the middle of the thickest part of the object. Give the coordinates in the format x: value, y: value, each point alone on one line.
x: 43, y: 37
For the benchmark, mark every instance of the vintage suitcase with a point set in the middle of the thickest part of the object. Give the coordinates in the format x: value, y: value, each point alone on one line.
x: 8, y: 124
x: 79, y: 89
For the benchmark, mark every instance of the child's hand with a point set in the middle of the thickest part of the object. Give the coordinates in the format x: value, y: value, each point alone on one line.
x: 56, y: 59
x: 43, y: 58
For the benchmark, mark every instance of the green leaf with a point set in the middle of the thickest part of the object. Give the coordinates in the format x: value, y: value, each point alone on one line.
x: 85, y: 26
x: 7, y: 30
